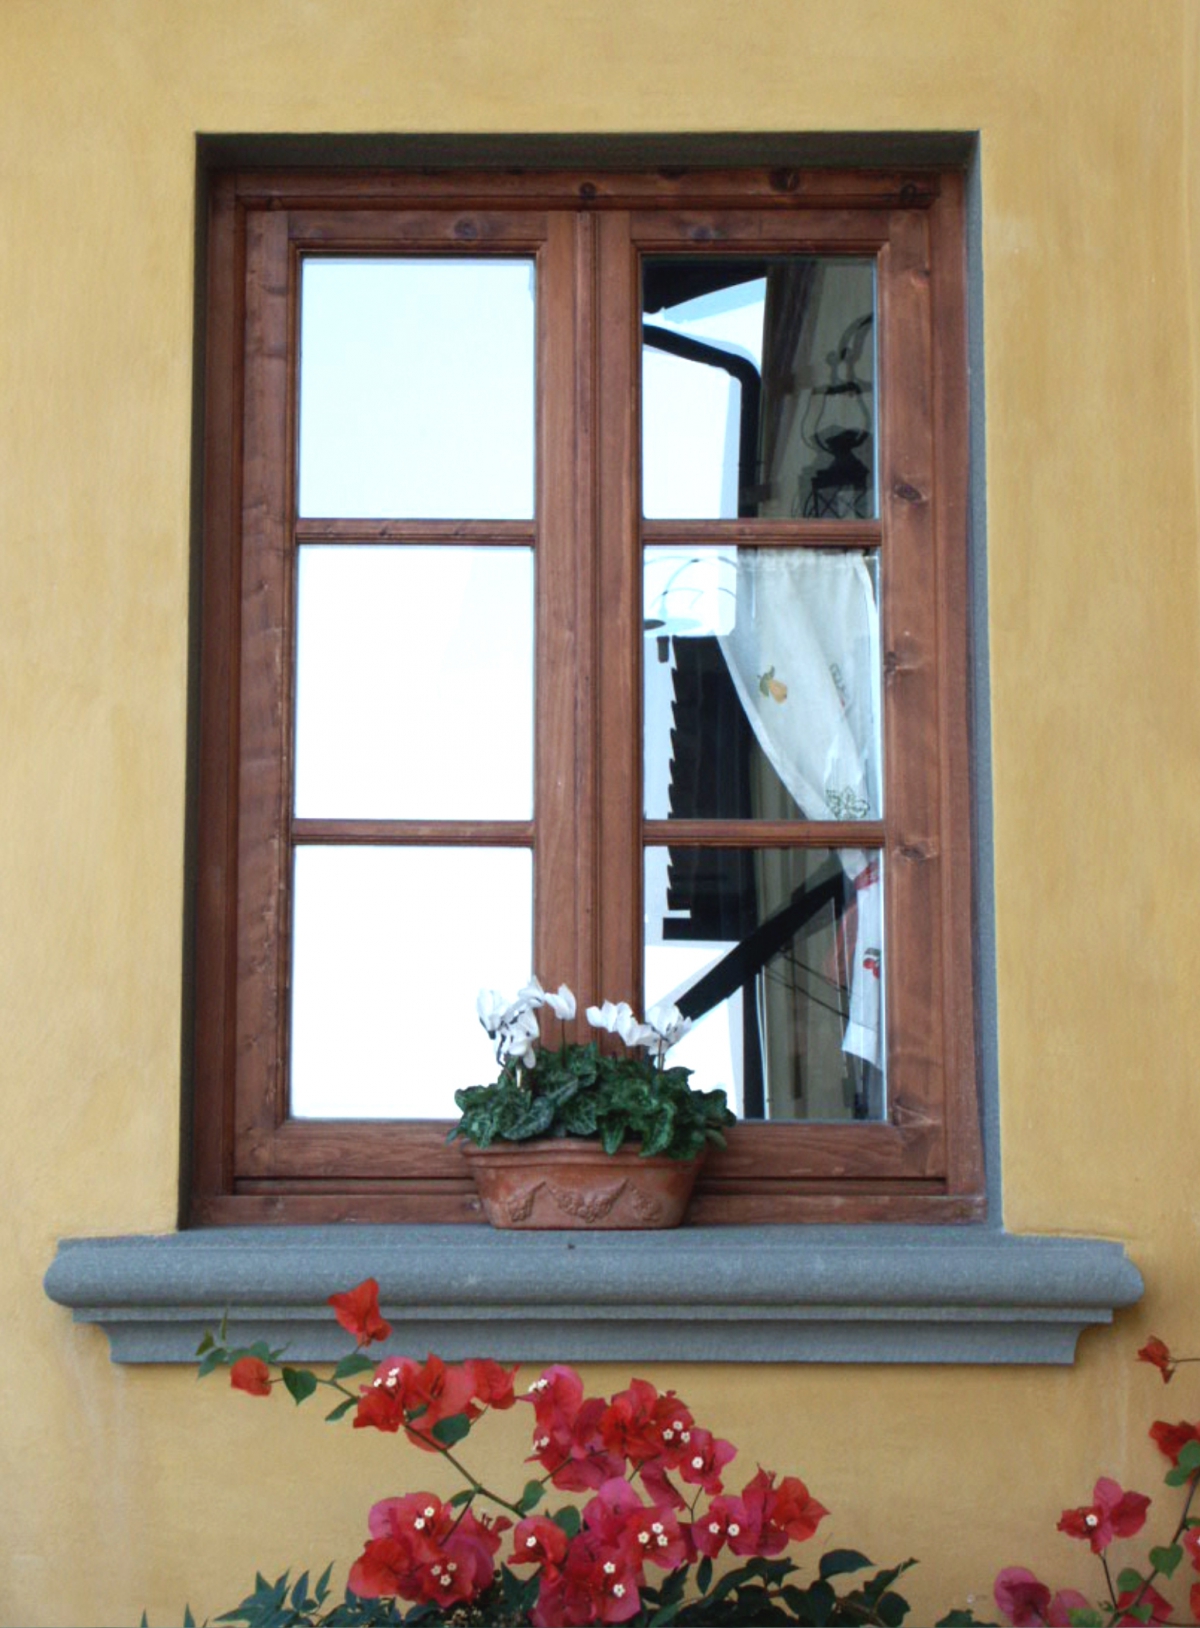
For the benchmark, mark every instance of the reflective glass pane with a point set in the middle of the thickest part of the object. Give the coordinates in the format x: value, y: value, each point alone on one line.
x: 761, y: 678
x: 777, y: 955
x: 758, y: 387
x: 391, y: 947
x: 417, y: 388
x: 414, y: 683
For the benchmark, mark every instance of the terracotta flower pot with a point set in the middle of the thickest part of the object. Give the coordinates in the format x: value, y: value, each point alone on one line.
x: 570, y: 1182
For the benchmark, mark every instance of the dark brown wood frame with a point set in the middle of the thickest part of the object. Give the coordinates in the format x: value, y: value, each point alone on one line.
x: 250, y: 1162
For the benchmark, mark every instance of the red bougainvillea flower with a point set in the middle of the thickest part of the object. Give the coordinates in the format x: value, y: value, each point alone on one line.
x: 1160, y: 1609
x: 1172, y: 1439
x: 385, y: 1401
x: 1156, y: 1354
x: 490, y: 1383
x: 437, y: 1391
x: 660, y: 1537
x: 421, y: 1550
x: 538, y: 1540
x: 1194, y: 1601
x: 704, y: 1460
x: 566, y: 1439
x: 251, y: 1374
x: 639, y: 1424
x: 597, y: 1584
x: 1021, y: 1598
x: 762, y: 1521
x: 1113, y: 1514
x: 358, y: 1312
x: 1191, y: 1546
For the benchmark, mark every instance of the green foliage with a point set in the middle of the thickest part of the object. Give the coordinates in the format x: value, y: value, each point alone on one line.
x: 300, y: 1383
x: 451, y: 1431
x: 577, y: 1092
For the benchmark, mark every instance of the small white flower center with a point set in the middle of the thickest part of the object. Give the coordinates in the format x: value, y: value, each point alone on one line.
x: 713, y: 1528
x: 1091, y: 1520
x: 734, y: 1529
x: 531, y: 1543
x: 697, y: 1463
x: 609, y: 1567
x: 430, y: 1512
x: 619, y: 1590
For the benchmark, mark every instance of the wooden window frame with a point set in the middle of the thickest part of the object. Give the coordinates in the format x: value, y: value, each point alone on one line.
x: 250, y: 1163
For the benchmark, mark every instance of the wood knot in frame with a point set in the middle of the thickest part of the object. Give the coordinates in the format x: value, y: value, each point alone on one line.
x: 784, y: 180
x: 902, y: 660
x: 466, y: 230
x: 587, y: 190
x: 907, y: 493
x: 909, y: 195
x: 918, y: 852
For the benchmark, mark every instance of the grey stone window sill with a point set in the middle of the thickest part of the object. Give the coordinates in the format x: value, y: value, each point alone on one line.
x: 729, y: 1294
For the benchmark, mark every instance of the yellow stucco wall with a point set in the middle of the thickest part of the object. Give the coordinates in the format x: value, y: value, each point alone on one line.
x: 122, y: 1488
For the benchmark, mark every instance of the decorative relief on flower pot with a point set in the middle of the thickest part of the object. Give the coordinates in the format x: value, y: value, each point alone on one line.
x: 565, y: 1182
x: 587, y: 1208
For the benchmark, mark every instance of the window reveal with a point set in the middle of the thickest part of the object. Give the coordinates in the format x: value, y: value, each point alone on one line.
x: 584, y: 581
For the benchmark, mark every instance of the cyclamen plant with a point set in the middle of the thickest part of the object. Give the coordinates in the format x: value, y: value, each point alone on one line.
x: 1132, y: 1596
x: 640, y: 1542
x: 575, y: 1090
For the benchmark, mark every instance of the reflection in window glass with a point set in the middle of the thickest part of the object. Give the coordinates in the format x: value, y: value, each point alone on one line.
x: 391, y: 946
x: 414, y: 683
x: 758, y: 387
x: 417, y: 389
x: 777, y: 956
x: 761, y: 683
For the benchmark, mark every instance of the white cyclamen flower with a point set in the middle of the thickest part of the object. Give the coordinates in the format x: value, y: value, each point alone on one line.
x: 668, y: 1023
x: 491, y: 1007
x: 518, y: 1037
x: 634, y: 1033
x: 562, y: 1004
x: 609, y: 1017
x: 532, y: 993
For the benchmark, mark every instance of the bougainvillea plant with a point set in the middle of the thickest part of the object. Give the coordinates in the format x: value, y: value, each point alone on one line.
x: 1132, y: 1595
x: 652, y: 1531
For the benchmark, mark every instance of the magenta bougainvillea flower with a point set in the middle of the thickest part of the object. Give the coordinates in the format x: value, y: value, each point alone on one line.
x: 1113, y: 1513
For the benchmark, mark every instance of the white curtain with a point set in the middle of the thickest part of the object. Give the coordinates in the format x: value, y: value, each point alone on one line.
x: 804, y: 658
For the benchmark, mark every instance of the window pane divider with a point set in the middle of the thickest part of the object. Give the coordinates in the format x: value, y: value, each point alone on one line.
x: 430, y: 833
x: 474, y: 532
x: 767, y: 533
x: 764, y: 833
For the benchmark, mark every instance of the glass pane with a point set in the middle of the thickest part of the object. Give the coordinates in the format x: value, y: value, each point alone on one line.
x: 417, y: 389
x: 777, y: 956
x: 758, y: 387
x: 761, y: 678
x: 391, y: 947
x: 414, y: 683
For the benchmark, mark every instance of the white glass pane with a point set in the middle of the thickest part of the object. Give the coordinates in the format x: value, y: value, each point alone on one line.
x: 777, y: 955
x: 414, y: 684
x: 417, y: 388
x: 391, y: 947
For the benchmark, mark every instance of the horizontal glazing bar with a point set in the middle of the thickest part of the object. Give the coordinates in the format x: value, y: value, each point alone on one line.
x: 475, y: 532
x: 417, y: 833
x: 764, y: 833
x: 767, y: 533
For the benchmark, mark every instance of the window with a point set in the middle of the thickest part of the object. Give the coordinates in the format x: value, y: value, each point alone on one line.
x: 584, y: 587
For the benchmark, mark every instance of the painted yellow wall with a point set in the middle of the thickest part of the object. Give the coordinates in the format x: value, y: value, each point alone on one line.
x: 121, y: 1488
